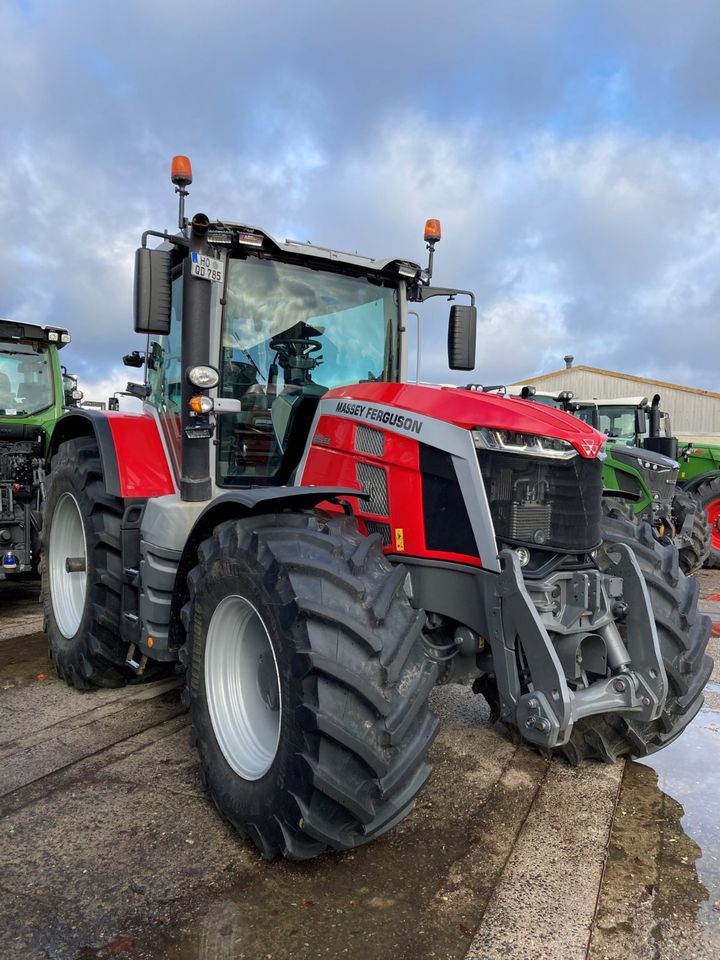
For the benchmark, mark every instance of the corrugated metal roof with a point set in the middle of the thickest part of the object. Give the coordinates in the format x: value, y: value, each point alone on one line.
x: 621, y: 376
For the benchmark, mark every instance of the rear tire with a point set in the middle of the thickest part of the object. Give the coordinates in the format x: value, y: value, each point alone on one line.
x: 340, y: 753
x: 683, y: 634
x: 708, y: 494
x: 692, y: 555
x: 82, y: 609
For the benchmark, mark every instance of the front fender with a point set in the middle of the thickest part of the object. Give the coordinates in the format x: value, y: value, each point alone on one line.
x: 240, y: 503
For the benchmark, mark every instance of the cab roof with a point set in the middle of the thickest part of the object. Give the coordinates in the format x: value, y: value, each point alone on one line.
x: 224, y: 233
x: 615, y: 402
x: 15, y: 330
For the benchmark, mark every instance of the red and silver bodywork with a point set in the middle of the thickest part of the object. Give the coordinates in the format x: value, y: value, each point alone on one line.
x: 372, y: 437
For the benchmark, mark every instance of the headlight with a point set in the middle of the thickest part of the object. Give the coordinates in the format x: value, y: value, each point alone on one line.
x: 529, y: 444
x: 53, y: 336
x: 204, y: 377
x: 657, y: 467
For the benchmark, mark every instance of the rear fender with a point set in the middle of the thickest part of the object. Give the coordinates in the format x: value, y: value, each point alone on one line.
x: 133, y: 457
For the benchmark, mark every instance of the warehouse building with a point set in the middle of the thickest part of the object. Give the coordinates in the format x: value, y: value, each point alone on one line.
x: 691, y: 411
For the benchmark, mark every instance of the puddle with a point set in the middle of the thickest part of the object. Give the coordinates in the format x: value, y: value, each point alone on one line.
x: 660, y: 896
x: 689, y: 771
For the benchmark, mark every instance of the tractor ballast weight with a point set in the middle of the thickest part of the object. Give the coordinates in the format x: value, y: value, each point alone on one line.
x: 319, y: 543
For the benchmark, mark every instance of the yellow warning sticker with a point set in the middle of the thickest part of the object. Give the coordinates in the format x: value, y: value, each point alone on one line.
x: 399, y: 539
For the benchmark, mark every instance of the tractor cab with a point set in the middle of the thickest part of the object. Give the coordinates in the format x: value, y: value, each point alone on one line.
x: 631, y: 421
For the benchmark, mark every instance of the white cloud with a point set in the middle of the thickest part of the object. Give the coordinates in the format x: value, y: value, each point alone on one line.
x: 558, y: 148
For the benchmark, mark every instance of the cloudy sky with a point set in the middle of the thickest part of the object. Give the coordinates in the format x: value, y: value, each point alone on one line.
x: 570, y: 149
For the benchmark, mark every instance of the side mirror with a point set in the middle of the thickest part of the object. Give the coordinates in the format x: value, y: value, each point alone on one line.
x: 134, y: 359
x: 153, y: 291
x: 640, y: 421
x: 140, y: 390
x: 462, y: 327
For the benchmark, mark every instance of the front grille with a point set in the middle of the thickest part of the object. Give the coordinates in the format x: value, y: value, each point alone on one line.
x: 370, y: 441
x: 543, y: 502
x: 6, y: 502
x: 373, y: 480
x: 373, y: 526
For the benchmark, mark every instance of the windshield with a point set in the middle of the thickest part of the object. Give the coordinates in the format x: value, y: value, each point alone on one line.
x: 617, y: 422
x: 25, y: 379
x: 291, y: 333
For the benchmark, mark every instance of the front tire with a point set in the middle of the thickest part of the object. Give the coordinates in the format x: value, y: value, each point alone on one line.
x: 82, y: 607
x: 683, y: 634
x: 692, y: 555
x: 307, y: 683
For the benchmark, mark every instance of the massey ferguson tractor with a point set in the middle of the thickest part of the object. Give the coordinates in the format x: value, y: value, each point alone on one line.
x: 318, y: 543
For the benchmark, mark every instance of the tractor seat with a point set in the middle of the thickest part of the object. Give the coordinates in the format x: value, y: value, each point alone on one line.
x: 33, y: 393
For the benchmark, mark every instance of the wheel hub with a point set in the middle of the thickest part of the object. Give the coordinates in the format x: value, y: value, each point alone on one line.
x: 267, y: 681
x: 67, y: 565
x: 713, y: 515
x: 242, y: 685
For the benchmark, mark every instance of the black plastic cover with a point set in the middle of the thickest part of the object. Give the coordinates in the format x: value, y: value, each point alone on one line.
x: 445, y: 515
x: 667, y: 446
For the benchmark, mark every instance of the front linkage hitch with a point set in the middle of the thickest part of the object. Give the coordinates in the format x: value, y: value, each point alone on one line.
x: 583, y: 619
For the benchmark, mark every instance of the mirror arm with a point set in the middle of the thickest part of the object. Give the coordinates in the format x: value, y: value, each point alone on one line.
x: 171, y: 238
x: 425, y: 293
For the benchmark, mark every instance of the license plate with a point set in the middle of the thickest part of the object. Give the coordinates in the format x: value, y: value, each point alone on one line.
x: 206, y: 268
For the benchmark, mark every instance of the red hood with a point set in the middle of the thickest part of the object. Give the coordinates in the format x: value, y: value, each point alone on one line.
x: 468, y: 409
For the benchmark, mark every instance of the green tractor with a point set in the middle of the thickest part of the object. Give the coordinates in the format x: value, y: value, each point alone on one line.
x: 641, y: 468
x: 34, y: 391
x: 632, y: 423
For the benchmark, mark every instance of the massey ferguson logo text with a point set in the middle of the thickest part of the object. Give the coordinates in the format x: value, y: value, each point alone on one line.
x: 363, y: 412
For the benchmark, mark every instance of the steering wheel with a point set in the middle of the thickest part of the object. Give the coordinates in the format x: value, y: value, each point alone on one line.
x: 307, y: 346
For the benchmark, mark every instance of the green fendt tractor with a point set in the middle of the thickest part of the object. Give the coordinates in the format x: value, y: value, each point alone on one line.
x: 34, y: 391
x: 633, y: 423
x: 641, y: 468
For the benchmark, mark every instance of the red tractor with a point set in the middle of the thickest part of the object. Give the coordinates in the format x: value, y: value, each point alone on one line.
x: 318, y: 543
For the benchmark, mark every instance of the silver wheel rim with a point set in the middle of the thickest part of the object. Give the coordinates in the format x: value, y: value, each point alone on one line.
x: 242, y: 685
x: 67, y: 590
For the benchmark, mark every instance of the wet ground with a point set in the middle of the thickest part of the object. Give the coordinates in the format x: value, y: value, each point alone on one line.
x: 109, y: 848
